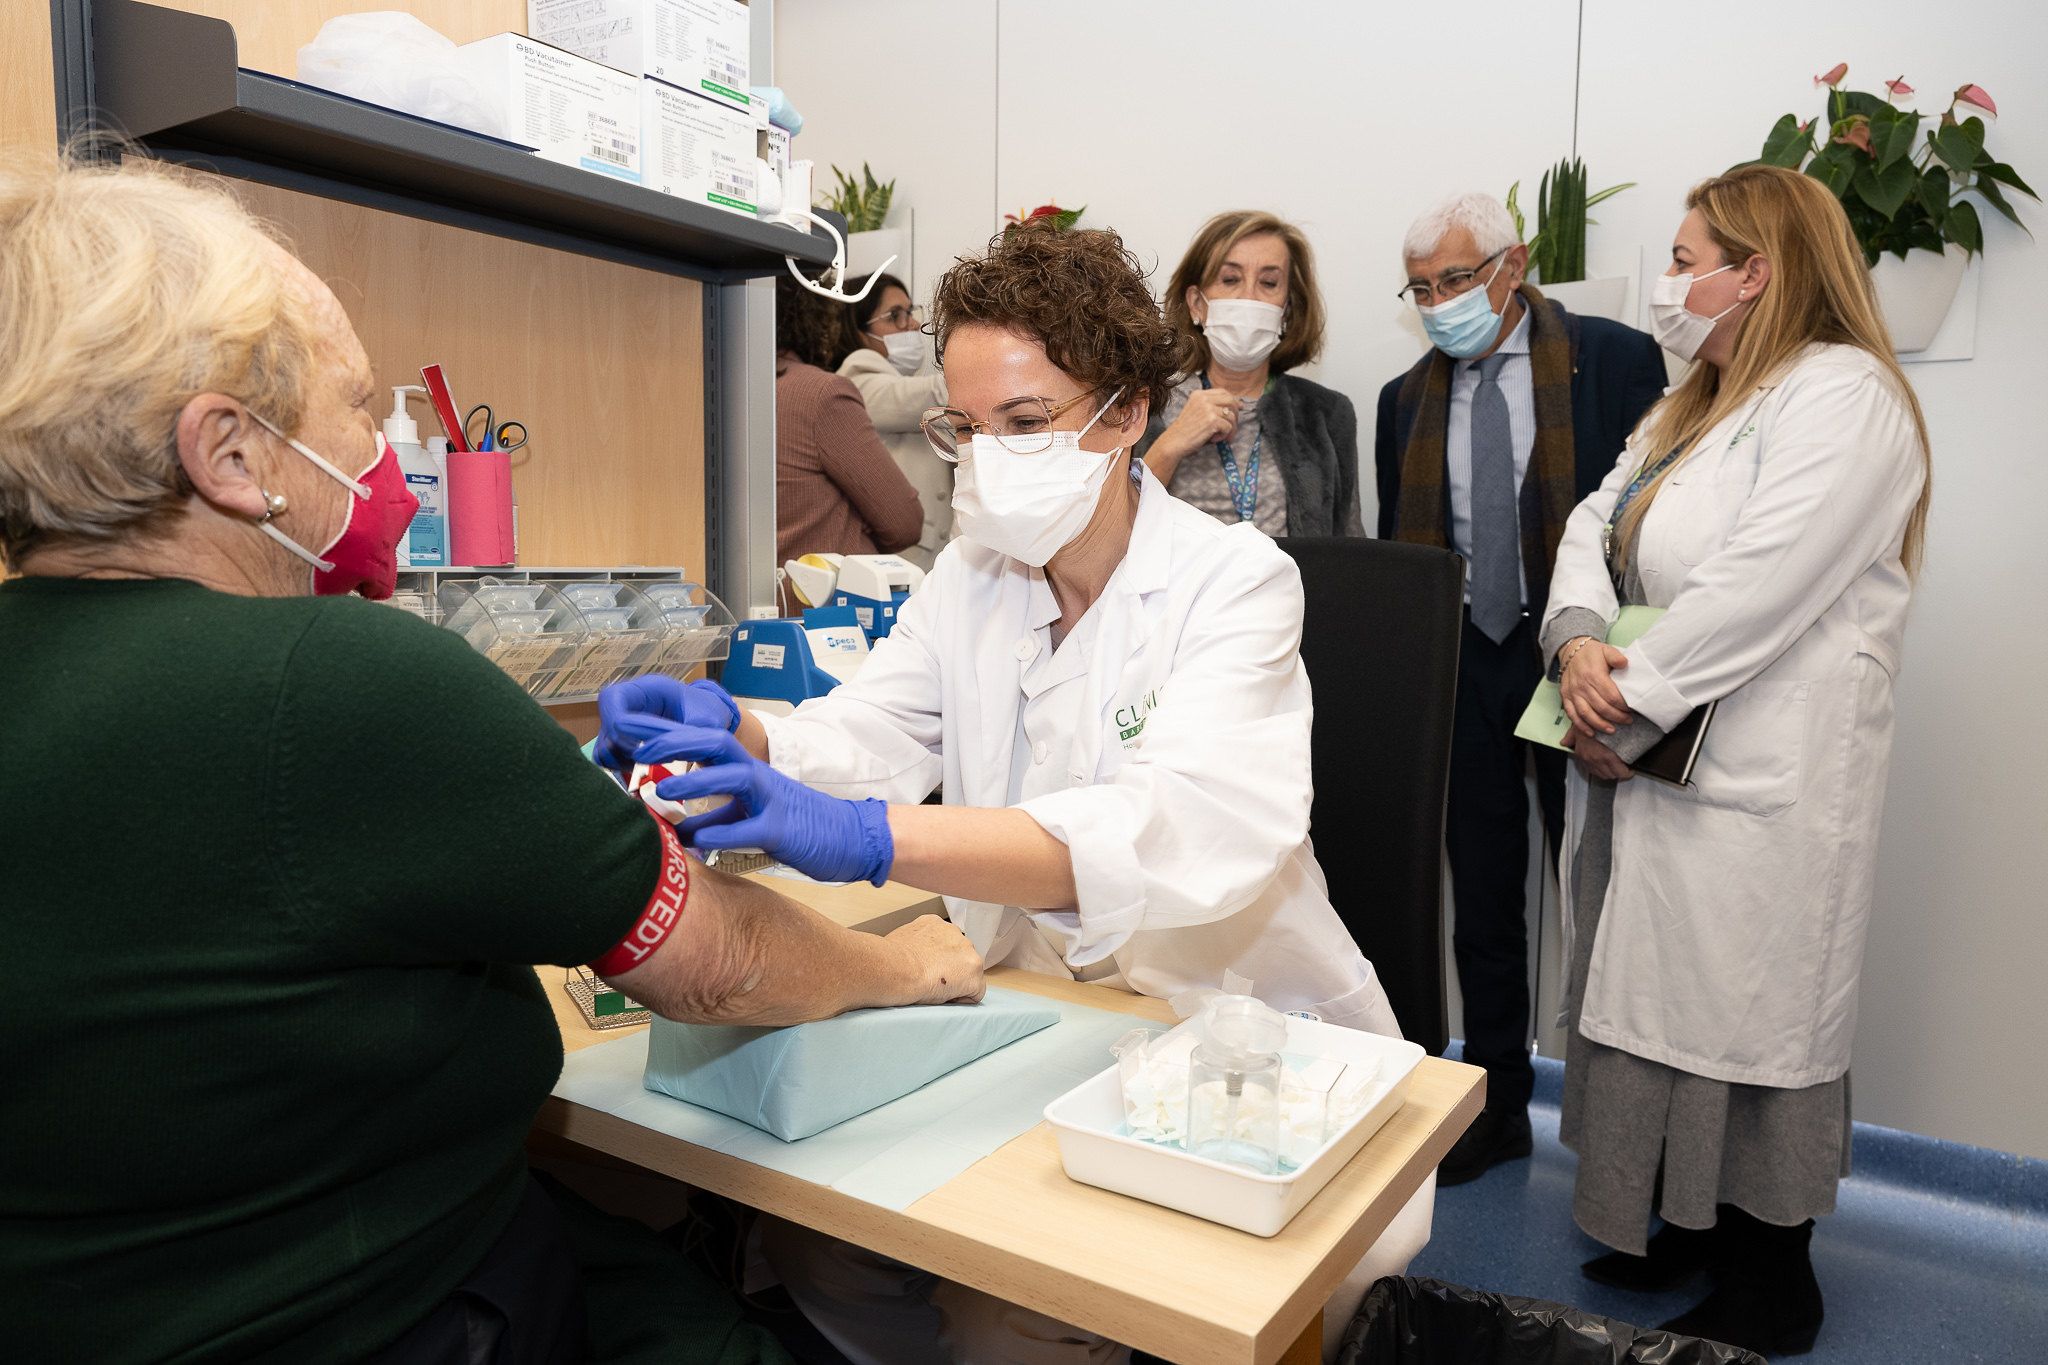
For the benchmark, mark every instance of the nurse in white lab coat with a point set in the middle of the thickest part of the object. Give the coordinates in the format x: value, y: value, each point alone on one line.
x: 1772, y: 504
x: 1106, y: 685
x: 888, y: 364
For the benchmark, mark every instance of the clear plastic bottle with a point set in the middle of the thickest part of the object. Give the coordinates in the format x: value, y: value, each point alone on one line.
x: 1234, y: 1083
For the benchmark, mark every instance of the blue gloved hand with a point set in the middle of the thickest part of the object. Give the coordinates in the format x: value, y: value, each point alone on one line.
x: 826, y: 837
x: 632, y: 712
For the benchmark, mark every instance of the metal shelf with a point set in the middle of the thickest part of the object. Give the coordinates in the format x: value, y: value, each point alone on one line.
x: 171, y: 81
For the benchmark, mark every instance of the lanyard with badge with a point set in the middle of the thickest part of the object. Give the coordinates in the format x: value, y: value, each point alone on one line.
x: 1646, y: 474
x: 1244, y: 491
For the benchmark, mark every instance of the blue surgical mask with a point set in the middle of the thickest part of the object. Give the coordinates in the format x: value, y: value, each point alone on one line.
x: 1466, y: 325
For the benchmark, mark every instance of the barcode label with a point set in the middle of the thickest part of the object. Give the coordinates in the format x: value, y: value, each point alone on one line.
x: 617, y: 158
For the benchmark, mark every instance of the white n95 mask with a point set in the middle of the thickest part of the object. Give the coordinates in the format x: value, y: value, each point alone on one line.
x: 1029, y: 506
x: 1677, y: 328
x: 906, y: 350
x: 1241, y: 332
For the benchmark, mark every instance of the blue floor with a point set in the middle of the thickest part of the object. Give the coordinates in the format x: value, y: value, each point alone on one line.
x: 1935, y: 1252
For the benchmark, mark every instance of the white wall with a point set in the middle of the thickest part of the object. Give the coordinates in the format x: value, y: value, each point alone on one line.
x: 1349, y: 118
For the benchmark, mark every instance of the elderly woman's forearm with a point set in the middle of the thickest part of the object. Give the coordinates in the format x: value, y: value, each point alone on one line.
x: 743, y: 954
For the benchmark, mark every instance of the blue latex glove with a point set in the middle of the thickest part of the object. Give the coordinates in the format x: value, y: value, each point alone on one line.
x: 826, y: 837
x: 632, y: 712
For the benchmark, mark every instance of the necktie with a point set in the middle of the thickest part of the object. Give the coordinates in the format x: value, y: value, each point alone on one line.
x: 1496, y: 530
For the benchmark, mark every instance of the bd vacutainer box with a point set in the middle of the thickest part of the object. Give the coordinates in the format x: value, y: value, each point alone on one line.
x: 570, y: 109
x: 700, y: 46
x: 695, y: 149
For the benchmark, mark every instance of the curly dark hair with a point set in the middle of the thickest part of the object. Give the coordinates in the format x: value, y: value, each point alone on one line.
x: 1081, y: 294
x: 809, y: 327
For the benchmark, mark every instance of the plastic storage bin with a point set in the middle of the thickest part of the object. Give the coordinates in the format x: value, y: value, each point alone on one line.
x: 699, y: 625
x: 626, y: 635
x: 528, y: 629
x: 1096, y: 1147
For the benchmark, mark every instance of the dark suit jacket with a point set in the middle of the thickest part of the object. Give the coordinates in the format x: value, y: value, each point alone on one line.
x: 1617, y: 374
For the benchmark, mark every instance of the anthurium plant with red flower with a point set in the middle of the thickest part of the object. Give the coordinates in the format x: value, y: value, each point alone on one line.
x: 1062, y: 219
x: 1901, y: 196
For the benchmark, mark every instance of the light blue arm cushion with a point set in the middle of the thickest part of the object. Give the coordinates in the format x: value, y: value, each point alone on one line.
x: 801, y: 1080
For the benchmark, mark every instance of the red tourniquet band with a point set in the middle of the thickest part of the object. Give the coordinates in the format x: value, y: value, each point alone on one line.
x: 664, y: 908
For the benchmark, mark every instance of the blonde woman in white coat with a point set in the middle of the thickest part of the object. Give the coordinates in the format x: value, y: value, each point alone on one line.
x: 1773, y: 504
x: 886, y: 360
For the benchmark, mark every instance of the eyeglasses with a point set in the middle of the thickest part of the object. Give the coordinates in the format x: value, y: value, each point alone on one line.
x: 1023, y: 425
x: 1448, y: 285
x: 902, y: 318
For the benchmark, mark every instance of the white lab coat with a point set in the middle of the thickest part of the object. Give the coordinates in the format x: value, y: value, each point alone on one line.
x: 1166, y: 743
x: 1732, y: 934
x: 896, y: 404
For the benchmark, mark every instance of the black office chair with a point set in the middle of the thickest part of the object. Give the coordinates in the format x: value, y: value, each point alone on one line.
x: 1379, y: 637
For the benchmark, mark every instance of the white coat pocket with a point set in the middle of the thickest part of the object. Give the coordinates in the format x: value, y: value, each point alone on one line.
x: 1753, y: 757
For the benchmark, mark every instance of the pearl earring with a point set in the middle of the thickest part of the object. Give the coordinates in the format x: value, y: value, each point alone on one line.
x: 274, y: 505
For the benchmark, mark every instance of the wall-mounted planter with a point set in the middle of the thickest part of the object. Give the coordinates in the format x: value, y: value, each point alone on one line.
x: 1603, y: 298
x: 1916, y: 293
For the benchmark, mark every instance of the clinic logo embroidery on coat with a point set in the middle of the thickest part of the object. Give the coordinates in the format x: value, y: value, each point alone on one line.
x: 1130, y: 720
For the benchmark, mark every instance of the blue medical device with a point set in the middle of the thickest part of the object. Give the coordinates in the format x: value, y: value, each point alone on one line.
x: 778, y: 665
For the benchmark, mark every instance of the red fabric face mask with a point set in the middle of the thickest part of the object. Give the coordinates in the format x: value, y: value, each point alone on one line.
x: 363, y: 555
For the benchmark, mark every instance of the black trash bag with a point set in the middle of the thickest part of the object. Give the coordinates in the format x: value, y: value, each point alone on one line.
x: 1413, y: 1321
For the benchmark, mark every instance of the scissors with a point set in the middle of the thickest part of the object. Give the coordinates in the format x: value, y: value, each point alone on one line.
x: 497, y: 435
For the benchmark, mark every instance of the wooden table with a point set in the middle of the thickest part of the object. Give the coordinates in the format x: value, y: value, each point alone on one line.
x: 1014, y: 1225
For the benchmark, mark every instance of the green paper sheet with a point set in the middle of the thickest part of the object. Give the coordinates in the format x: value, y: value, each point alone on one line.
x: 1544, y: 721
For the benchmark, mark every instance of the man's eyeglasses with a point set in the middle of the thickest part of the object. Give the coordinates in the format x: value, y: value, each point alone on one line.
x: 1023, y: 425
x: 1448, y: 285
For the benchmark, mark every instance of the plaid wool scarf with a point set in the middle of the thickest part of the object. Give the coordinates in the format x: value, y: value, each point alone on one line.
x: 1549, y: 491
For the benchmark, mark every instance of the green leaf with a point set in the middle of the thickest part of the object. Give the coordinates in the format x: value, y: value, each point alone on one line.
x: 1958, y: 144
x: 1066, y: 218
x: 1890, y: 142
x: 1964, y: 229
x: 1933, y: 192
x: 1886, y: 190
x: 1787, y: 144
x: 2004, y: 175
x: 1862, y: 102
x: 1996, y: 198
x: 1607, y: 194
x: 1834, y: 167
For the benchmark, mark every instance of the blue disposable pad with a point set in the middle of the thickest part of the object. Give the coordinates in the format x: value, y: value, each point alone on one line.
x: 893, y: 1155
x: 803, y: 1079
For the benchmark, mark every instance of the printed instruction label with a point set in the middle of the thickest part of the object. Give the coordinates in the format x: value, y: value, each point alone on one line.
x: 768, y: 656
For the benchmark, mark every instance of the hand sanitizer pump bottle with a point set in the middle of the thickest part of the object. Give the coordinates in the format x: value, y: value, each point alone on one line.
x: 425, y: 543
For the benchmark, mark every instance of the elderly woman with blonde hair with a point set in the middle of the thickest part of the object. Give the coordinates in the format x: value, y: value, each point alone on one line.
x: 281, y: 1106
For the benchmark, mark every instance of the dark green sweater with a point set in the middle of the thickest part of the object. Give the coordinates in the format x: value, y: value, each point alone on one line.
x: 268, y: 1052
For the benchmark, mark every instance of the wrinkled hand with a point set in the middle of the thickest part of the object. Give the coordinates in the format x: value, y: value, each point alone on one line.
x: 1210, y: 416
x: 952, y: 970
x: 826, y: 837
x: 1595, y: 759
x: 1591, y: 700
x: 632, y: 712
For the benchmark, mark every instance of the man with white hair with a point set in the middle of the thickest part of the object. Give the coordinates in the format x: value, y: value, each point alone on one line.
x: 1485, y: 446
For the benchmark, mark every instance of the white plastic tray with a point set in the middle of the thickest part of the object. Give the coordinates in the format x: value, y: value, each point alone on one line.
x: 1086, y: 1121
